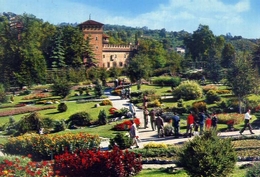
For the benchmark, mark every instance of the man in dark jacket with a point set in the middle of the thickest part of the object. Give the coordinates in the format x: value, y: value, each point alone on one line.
x: 176, y: 124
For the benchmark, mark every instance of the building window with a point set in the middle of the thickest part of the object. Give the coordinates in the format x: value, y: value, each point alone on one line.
x: 96, y: 47
x: 108, y: 64
x: 114, y: 64
x: 112, y: 58
x: 96, y: 38
x: 125, y: 56
x: 115, y: 56
x: 120, y: 64
x: 104, y: 56
x: 104, y: 65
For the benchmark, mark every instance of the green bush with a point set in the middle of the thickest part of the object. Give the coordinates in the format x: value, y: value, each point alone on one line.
x: 167, y: 81
x: 212, y: 96
x: 62, y: 107
x: 102, y: 117
x: 59, y: 126
x: 253, y: 171
x: 121, y: 140
x: 79, y: 119
x: 29, y: 123
x: 199, y: 106
x: 188, y: 90
x: 208, y: 155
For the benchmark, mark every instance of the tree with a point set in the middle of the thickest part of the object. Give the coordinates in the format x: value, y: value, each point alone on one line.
x: 88, y: 54
x: 256, y: 58
x: 242, y: 77
x: 228, y: 54
x: 200, y: 43
x: 58, y: 53
x: 61, y: 87
x: 138, y: 68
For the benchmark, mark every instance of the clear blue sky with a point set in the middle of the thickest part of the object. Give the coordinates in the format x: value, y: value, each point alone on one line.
x: 238, y: 17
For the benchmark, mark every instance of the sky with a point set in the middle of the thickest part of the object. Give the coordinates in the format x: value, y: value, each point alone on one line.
x: 238, y: 17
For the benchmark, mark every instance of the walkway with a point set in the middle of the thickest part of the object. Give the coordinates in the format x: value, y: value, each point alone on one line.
x: 148, y: 135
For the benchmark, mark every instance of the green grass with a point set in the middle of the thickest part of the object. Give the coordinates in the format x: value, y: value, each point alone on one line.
x: 181, y: 173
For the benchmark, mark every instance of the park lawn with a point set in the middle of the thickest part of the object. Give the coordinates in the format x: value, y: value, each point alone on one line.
x: 181, y: 173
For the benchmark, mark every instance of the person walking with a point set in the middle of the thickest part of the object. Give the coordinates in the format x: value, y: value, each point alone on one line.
x: 152, y: 119
x: 208, y: 122
x: 176, y: 124
x: 145, y: 101
x: 247, y: 122
x: 146, y: 114
x: 202, y: 118
x: 134, y: 137
x: 190, y: 124
x: 214, y: 121
x: 132, y: 109
x: 160, y: 125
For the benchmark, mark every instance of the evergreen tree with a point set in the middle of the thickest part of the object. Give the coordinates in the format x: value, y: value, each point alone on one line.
x: 58, y: 54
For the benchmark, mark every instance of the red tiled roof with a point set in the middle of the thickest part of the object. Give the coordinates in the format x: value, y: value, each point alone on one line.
x: 91, y: 22
x: 104, y: 35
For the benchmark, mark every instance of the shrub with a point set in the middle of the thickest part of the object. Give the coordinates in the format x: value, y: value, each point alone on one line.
x: 44, y: 146
x: 188, y: 90
x: 199, y: 106
x: 212, y: 96
x: 59, y: 126
x: 62, y: 107
x: 79, y: 119
x: 224, y: 118
x: 121, y: 140
x: 155, y: 145
x: 102, y: 117
x: 254, y: 170
x: 29, y: 123
x: 2, y: 93
x: 93, y: 163
x: 167, y: 81
x: 61, y: 87
x: 126, y: 125
x: 206, y: 88
x: 106, y: 102
x: 155, y: 103
x: 214, y: 155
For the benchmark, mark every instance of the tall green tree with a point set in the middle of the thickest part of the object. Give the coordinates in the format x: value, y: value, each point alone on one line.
x: 138, y: 68
x: 200, y: 43
x: 242, y: 77
x: 256, y: 58
x: 88, y: 54
x: 58, y: 52
x: 228, y: 55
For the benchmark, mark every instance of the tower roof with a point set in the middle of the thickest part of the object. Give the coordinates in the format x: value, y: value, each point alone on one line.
x: 91, y: 22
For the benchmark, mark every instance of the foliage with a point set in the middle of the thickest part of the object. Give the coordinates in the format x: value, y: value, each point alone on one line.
x: 169, y: 81
x: 242, y: 83
x: 254, y: 170
x: 59, y: 126
x: 79, y: 119
x: 46, y: 146
x: 224, y: 118
x: 155, y: 145
x: 2, y: 93
x: 106, y: 102
x: 121, y: 140
x: 23, y: 166
x: 208, y: 87
x: 126, y: 125
x: 98, y: 89
x: 199, y: 106
x: 212, y: 96
x: 188, y: 90
x: 94, y: 163
x: 215, y: 156
x: 35, y: 96
x: 29, y: 123
x: 62, y: 107
x: 102, y: 117
x: 61, y: 87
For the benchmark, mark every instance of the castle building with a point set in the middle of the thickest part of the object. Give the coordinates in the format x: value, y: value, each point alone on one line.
x: 107, y: 55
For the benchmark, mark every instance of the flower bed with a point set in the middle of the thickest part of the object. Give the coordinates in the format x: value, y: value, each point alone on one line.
x: 126, y: 125
x: 229, y: 117
x: 24, y: 109
x: 46, y: 146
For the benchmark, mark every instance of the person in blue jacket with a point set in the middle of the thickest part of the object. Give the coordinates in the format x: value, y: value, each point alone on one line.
x: 176, y: 124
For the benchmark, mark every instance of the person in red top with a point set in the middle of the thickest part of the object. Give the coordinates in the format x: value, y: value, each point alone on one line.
x: 190, y: 123
x: 208, y: 123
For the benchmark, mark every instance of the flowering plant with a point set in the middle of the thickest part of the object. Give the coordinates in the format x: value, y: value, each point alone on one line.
x: 126, y: 125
